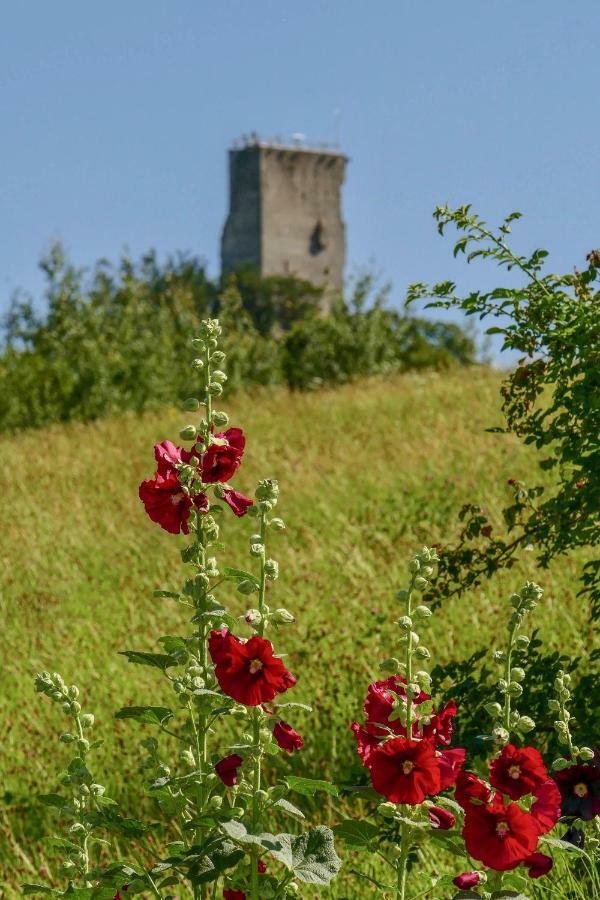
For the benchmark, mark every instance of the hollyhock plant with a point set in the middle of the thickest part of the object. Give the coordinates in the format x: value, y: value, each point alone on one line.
x: 404, y: 740
x: 287, y: 737
x: 247, y: 671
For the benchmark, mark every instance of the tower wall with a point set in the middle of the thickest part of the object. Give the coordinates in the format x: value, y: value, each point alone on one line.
x: 285, y: 213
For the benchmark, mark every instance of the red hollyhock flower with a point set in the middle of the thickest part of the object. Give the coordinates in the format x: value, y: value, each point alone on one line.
x: 167, y: 456
x: 229, y: 894
x: 580, y: 790
x: 366, y: 742
x: 405, y: 771
x: 440, y: 726
x: 379, y: 705
x: 221, y: 461
x: 538, y: 864
x: 518, y: 771
x: 451, y: 762
x: 467, y: 880
x: 248, y: 671
x: 287, y: 737
x: 166, y: 503
x: 441, y: 818
x: 469, y: 787
x: 238, y: 502
x: 499, y: 835
x: 546, y: 808
x: 227, y: 769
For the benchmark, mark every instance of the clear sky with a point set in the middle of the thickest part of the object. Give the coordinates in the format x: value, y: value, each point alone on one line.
x: 116, y: 117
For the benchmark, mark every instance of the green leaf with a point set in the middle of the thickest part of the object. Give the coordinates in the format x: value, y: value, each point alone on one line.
x: 238, y: 575
x: 357, y: 833
x: 173, y: 644
x: 53, y: 800
x: 37, y: 889
x: 158, y: 660
x: 314, y: 860
x: 146, y: 715
x: 288, y: 807
x: 309, y: 786
x: 57, y: 843
x: 564, y: 845
x: 293, y: 705
x: 171, y: 595
x: 371, y: 880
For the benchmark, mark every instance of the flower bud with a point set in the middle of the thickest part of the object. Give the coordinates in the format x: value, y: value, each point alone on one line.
x: 257, y: 549
x: 522, y: 642
x: 215, y: 802
x: 423, y: 679
x: 387, y: 810
x: 499, y: 655
x: 493, y: 709
x: 515, y: 689
x: 277, y: 524
x: 405, y: 623
x: 247, y: 587
x: 271, y: 569
x: 414, y: 565
x: 517, y: 674
x: 197, y: 364
x: 188, y: 433
x: 427, y: 571
x: 422, y: 653
x: 83, y: 745
x: 502, y: 685
x: 586, y: 753
x: 282, y: 617
x: 267, y: 489
x: 422, y: 612
x: 559, y: 764
x: 220, y: 419
x: 391, y: 665
x: 219, y: 376
x: 215, y: 389
x: 73, y: 692
x: 192, y: 404
x: 67, y: 738
x: 500, y: 735
x: 217, y: 356
x: 188, y: 758
x: 420, y: 583
x: 77, y: 828
x: 525, y: 724
x: 253, y: 617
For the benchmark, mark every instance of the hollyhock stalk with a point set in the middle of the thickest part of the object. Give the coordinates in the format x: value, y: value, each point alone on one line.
x: 256, y: 714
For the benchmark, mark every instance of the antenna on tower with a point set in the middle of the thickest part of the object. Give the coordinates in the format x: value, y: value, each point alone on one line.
x: 337, y: 127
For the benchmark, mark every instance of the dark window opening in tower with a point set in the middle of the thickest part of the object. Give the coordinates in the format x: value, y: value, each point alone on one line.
x: 317, y: 240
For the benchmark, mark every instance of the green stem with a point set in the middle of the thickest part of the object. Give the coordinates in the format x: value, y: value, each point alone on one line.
x: 409, y: 655
x: 256, y: 779
x: 511, y: 635
x: 402, y: 862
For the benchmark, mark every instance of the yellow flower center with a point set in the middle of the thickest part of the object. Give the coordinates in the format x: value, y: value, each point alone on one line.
x: 176, y: 498
x: 581, y: 789
x: 502, y: 829
x: 514, y: 772
x: 407, y: 766
x: 255, y: 666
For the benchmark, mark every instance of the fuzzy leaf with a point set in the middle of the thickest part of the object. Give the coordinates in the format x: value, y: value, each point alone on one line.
x: 146, y: 715
x: 309, y: 786
x: 53, y: 800
x: 141, y: 658
x: 314, y: 860
x: 238, y: 575
x: 288, y: 807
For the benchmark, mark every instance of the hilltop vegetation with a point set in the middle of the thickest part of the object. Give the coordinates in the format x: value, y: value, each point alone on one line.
x: 380, y: 466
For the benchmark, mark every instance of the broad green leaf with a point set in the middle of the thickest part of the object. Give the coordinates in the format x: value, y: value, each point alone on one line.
x: 146, y: 715
x: 314, y: 860
x: 358, y: 833
x: 238, y: 575
x: 37, y: 889
x: 53, y: 800
x: 288, y: 807
x: 141, y: 658
x: 309, y: 786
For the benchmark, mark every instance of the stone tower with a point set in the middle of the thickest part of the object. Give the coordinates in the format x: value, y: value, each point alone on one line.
x: 285, y: 211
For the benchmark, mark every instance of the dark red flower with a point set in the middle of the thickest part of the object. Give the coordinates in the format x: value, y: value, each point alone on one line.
x: 467, y: 880
x: 441, y: 818
x: 166, y: 503
x: 379, y: 705
x: 261, y: 867
x: 238, y: 502
x: 580, y: 790
x: 222, y: 460
x: 546, y: 808
x: 471, y: 788
x: 167, y: 456
x: 229, y: 894
x: 451, y: 762
x: 538, y: 864
x: 365, y: 741
x: 248, y: 671
x: 499, y: 835
x: 518, y: 771
x: 405, y: 771
x: 287, y: 737
x: 440, y: 726
x: 227, y: 769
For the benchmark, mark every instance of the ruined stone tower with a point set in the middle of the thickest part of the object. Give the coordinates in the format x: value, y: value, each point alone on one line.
x: 285, y: 211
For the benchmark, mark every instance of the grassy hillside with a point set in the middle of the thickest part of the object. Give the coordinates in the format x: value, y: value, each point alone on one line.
x: 367, y: 473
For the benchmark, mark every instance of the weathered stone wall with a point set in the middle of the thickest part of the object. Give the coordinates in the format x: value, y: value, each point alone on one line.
x: 285, y: 213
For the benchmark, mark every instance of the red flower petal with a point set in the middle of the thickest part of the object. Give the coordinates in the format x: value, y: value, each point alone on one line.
x: 221, y: 461
x: 227, y: 769
x: 467, y: 880
x: 238, y: 502
x: 165, y: 502
x: 405, y: 771
x: 366, y: 742
x: 499, y: 835
x: 518, y: 771
x: 546, y: 809
x: 248, y: 671
x: 538, y: 864
x: 287, y: 737
x: 469, y: 787
x: 451, y: 762
x: 441, y: 818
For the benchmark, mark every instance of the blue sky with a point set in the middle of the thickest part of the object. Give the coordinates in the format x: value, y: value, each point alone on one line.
x: 117, y: 116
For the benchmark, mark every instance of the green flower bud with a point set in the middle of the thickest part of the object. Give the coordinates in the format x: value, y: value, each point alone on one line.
x: 97, y: 789
x: 67, y: 708
x: 522, y: 642
x: 236, y: 812
x: 502, y: 685
x: 197, y: 364
x: 215, y: 389
x: 422, y: 612
x: 219, y: 376
x: 499, y: 655
x: 493, y: 709
x: 559, y: 764
x: 421, y: 583
x: 391, y: 665
x: 515, y: 689
x: 253, y: 617
x: 188, y: 758
x: 67, y: 738
x: 402, y: 595
x: 73, y: 692
x: 282, y: 617
x: 414, y: 565
x: 277, y: 524
x: 215, y: 802
x: 220, y: 419
x: 517, y: 674
x: 271, y: 569
x: 387, y: 810
x: 192, y: 404
x: 188, y: 433
x: 405, y: 623
x: 427, y: 571
x: 500, y: 735
x: 256, y: 538
x: 553, y: 705
x: 586, y: 753
x: 257, y: 549
x: 268, y: 489
x: 217, y: 357
x: 422, y: 653
x: 525, y: 724
x: 83, y: 745
x: 423, y: 679
x: 247, y: 587
x: 77, y: 828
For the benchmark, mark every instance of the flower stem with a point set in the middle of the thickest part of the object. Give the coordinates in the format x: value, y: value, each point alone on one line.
x: 256, y: 779
x: 401, y: 870
x: 511, y: 636
x: 409, y: 655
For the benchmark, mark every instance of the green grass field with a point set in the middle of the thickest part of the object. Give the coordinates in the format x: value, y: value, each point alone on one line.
x: 367, y: 473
